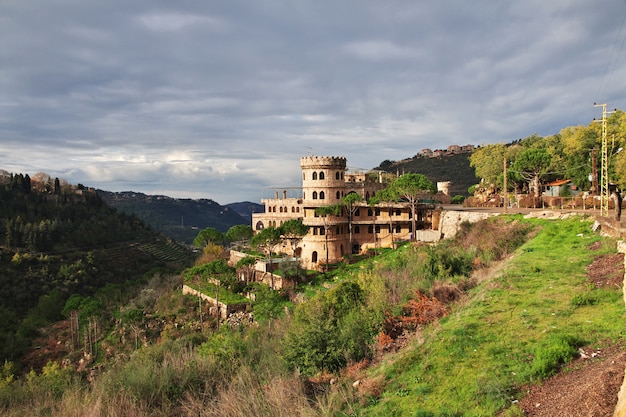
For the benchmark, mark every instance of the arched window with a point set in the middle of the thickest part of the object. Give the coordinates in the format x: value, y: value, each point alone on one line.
x: 281, y: 209
x: 338, y: 195
x: 337, y: 175
x: 259, y: 226
x: 314, y: 256
x: 321, y: 175
x: 321, y: 195
x: 315, y: 175
x: 293, y: 209
x: 398, y: 229
x: 297, y: 209
x: 314, y: 195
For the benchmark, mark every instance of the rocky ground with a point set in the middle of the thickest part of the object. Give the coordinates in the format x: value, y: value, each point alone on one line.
x: 588, y: 386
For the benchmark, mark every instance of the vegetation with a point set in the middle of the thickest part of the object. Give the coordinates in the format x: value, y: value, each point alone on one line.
x: 515, y: 328
x: 59, y: 241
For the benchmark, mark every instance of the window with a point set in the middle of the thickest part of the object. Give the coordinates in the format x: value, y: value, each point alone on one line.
x: 357, y: 212
x: 337, y: 175
x: 338, y: 230
x: 314, y: 256
x: 370, y: 229
x: 377, y: 228
x: 370, y: 212
x: 321, y: 195
x: 357, y: 229
x: 398, y: 229
x: 322, y: 231
x: 314, y: 195
x: 377, y: 211
x: 338, y: 195
x: 321, y: 175
x: 303, y: 176
x: 315, y: 175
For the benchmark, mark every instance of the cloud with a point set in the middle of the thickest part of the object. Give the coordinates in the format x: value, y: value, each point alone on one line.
x: 221, y: 99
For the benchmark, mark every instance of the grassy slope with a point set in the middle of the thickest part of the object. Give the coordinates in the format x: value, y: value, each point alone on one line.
x: 474, y: 361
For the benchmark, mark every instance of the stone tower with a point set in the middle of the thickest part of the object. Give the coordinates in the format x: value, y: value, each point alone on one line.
x: 323, y: 180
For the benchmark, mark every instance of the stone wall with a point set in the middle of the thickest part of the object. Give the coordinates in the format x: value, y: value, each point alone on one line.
x: 620, y: 408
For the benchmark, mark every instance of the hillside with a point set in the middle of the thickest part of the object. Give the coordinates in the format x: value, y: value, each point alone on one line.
x: 471, y: 326
x: 62, y: 243
x: 180, y: 219
x: 454, y: 168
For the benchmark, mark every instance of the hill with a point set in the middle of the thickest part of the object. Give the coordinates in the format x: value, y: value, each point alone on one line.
x: 455, y: 168
x: 246, y: 208
x: 66, y: 242
x: 180, y: 219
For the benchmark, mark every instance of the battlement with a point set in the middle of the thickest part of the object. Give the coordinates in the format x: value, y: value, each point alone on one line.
x: 323, y: 162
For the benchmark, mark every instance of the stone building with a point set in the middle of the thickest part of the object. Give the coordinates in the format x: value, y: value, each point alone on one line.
x: 325, y: 181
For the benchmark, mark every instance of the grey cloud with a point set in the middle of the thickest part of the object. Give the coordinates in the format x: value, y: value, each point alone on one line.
x: 220, y: 99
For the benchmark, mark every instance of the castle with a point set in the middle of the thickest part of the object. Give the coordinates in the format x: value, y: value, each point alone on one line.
x: 325, y: 181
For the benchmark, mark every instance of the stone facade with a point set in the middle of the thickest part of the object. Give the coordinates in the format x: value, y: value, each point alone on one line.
x: 325, y: 181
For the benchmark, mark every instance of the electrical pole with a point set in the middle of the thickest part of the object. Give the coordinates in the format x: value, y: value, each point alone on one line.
x: 604, y: 163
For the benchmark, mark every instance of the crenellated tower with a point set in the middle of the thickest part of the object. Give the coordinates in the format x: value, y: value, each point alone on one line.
x: 323, y: 180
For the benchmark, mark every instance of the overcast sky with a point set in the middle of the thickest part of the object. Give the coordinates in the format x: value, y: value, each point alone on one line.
x: 220, y: 99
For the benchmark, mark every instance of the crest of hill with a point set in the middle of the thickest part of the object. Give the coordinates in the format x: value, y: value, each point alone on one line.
x: 455, y: 168
x: 179, y: 219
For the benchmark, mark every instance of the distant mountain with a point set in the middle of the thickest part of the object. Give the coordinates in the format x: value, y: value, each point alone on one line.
x: 179, y: 219
x: 455, y: 168
x: 246, y: 208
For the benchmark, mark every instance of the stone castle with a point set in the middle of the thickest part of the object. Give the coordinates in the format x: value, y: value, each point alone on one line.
x: 325, y: 181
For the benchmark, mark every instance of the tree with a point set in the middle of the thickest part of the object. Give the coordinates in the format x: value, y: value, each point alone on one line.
x: 240, y: 232
x: 266, y: 240
x: 293, y: 231
x: 246, y: 264
x: 209, y: 235
x: 351, y: 202
x: 487, y: 161
x: 325, y: 212
x: 532, y: 165
x: 409, y: 187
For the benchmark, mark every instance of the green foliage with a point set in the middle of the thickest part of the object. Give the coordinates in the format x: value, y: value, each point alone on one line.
x: 240, y: 232
x: 266, y: 240
x: 268, y: 304
x: 457, y: 199
x: 209, y: 235
x: 552, y: 352
x: 329, y: 331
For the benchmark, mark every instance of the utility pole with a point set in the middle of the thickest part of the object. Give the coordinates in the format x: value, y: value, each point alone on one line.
x: 604, y: 163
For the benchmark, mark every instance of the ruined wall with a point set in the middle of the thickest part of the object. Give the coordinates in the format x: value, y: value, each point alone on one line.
x: 449, y: 221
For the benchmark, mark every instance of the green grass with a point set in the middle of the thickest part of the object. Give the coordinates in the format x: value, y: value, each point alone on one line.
x: 516, y: 329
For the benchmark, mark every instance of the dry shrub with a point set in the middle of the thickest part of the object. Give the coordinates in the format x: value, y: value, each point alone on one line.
x: 422, y: 310
x: 446, y: 293
x: 354, y: 370
x: 384, y: 341
x: 371, y: 388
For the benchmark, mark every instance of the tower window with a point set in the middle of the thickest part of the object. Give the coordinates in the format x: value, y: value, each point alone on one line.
x: 321, y: 175
x: 315, y: 175
x: 321, y: 195
x: 314, y: 195
x: 337, y: 175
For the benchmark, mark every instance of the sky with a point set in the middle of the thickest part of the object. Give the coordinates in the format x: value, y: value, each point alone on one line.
x: 220, y: 99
